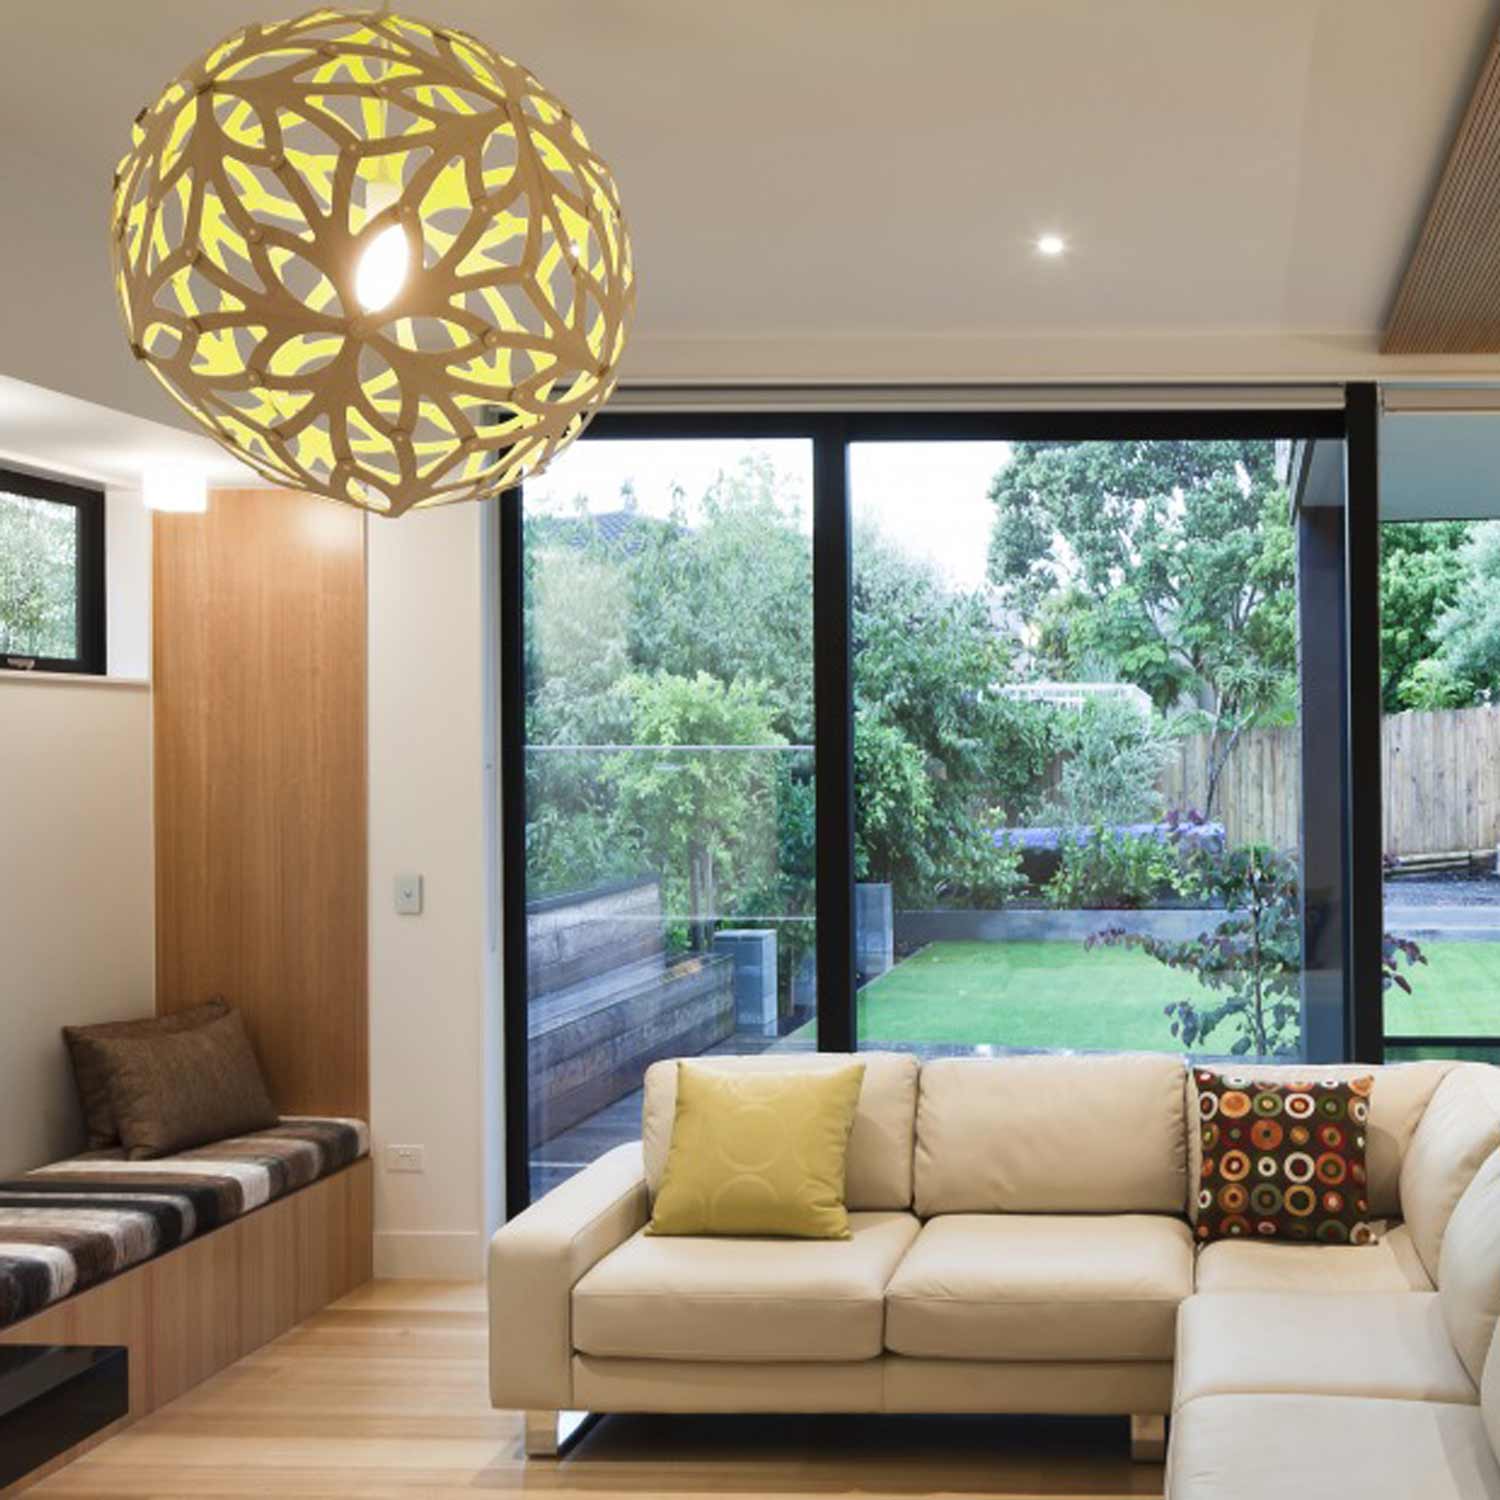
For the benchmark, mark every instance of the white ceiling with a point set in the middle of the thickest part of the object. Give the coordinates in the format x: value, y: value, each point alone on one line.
x: 850, y: 189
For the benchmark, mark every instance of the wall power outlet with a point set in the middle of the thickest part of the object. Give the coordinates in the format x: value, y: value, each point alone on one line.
x: 405, y: 1159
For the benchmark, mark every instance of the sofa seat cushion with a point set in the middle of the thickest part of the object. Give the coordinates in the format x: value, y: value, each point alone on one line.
x: 1390, y: 1265
x: 1041, y: 1287
x: 1393, y: 1345
x: 718, y: 1298
x: 1251, y: 1447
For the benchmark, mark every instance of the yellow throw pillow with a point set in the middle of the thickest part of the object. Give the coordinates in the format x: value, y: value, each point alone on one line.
x: 758, y: 1153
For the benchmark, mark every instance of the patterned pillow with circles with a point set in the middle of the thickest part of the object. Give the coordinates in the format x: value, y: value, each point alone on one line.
x: 1283, y: 1161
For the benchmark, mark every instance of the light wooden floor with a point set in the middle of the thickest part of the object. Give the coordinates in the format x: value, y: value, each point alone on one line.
x: 383, y: 1394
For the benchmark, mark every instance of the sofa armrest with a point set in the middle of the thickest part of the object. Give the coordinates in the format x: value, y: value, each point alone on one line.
x: 534, y: 1263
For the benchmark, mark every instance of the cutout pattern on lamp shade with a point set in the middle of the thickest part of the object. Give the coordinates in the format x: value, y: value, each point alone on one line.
x: 261, y: 282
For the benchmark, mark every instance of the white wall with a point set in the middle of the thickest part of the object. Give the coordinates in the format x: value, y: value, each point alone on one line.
x: 431, y: 1046
x: 76, y: 891
x: 127, y: 583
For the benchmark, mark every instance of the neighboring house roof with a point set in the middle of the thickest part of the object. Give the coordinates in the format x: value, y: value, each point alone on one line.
x: 1076, y: 694
x: 623, y: 529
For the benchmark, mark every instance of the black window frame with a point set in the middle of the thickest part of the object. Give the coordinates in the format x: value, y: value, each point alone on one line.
x: 87, y: 502
x: 832, y: 433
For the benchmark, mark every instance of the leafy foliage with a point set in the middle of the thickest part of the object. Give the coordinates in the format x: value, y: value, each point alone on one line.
x: 38, y: 577
x: 941, y: 756
x: 1113, y: 755
x: 703, y: 817
x: 1466, y: 668
x: 1113, y: 868
x: 1165, y: 564
x: 1423, y: 566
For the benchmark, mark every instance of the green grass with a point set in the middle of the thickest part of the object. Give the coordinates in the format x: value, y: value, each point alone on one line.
x: 1059, y: 994
x: 1455, y: 993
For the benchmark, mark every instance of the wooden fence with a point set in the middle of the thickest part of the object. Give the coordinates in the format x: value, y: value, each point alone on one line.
x: 1258, y: 799
x: 1441, y: 783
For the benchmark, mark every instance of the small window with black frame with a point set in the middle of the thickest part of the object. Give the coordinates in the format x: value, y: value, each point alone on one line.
x: 51, y: 575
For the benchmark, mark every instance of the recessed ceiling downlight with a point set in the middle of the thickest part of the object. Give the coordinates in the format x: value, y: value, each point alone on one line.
x: 1051, y: 245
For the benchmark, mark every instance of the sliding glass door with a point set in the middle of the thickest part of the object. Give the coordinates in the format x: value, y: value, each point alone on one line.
x: 1076, y: 746
x: 948, y: 733
x: 669, y: 773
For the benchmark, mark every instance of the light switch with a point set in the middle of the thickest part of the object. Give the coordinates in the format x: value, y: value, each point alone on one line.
x: 409, y: 895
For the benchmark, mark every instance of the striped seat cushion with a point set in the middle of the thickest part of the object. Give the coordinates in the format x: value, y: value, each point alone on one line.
x: 66, y: 1227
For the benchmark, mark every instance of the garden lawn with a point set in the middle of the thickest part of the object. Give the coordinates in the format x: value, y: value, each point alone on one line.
x: 1060, y: 994
x: 1455, y: 993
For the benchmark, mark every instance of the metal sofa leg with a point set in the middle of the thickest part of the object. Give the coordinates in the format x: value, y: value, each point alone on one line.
x: 543, y: 1438
x: 1148, y: 1438
x: 548, y: 1433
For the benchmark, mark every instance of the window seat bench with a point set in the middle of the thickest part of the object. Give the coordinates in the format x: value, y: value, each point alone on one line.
x: 69, y: 1226
x: 188, y: 1262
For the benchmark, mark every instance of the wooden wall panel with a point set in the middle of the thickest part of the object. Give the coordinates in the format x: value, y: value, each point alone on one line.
x: 259, y: 650
x: 1449, y: 299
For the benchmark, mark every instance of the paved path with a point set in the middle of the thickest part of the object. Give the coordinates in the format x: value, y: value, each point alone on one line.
x: 1453, y: 924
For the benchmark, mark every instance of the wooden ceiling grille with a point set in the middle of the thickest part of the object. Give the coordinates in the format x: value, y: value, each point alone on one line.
x: 1449, y: 301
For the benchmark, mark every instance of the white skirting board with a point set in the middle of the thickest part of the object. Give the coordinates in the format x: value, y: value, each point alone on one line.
x: 436, y: 1255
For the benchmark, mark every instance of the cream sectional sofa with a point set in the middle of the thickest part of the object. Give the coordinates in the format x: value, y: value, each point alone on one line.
x: 1321, y: 1371
x: 1021, y: 1242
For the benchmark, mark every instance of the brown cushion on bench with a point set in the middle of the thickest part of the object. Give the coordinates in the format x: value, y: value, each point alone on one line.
x: 185, y: 1088
x: 91, y: 1067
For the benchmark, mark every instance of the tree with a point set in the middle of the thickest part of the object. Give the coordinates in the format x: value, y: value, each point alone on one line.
x: 1113, y: 755
x: 1466, y: 668
x: 731, y: 595
x: 38, y: 577
x: 941, y: 756
x: 706, y: 812
x: 1166, y: 564
x: 1423, y: 568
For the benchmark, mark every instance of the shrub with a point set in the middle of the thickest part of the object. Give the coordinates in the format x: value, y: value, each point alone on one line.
x: 1113, y: 867
x: 983, y: 874
x: 1112, y: 754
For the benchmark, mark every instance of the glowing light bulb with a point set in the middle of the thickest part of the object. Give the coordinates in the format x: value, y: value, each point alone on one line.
x: 1051, y: 244
x: 381, y: 271
x: 384, y: 262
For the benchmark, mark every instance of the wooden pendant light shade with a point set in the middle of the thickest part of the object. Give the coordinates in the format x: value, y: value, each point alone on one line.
x: 373, y: 258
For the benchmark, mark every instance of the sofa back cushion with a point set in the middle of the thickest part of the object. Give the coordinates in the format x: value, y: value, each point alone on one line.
x: 880, y: 1143
x: 1051, y: 1135
x: 1459, y: 1131
x: 1397, y: 1103
x: 1469, y: 1268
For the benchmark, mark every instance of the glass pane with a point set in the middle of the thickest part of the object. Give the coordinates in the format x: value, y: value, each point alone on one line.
x: 669, y: 773
x: 1440, y: 671
x: 38, y: 577
x: 1076, y: 747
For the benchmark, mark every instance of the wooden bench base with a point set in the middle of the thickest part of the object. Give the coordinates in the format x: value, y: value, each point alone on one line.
x: 191, y: 1312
